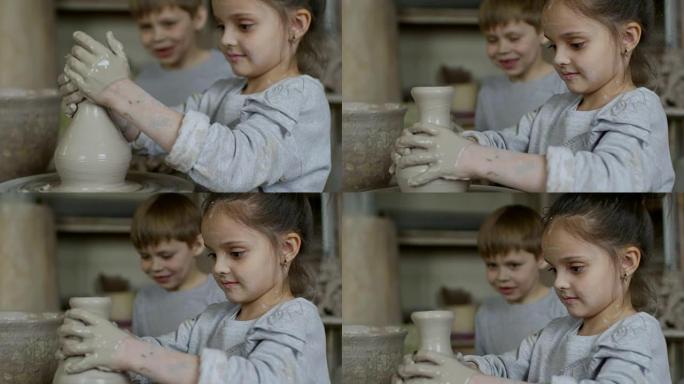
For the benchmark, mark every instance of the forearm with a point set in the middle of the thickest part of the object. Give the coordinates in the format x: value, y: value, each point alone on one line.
x: 159, y: 364
x: 144, y: 112
x: 129, y: 131
x: 523, y: 171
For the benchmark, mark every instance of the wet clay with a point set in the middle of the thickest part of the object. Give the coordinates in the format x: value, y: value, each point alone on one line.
x: 434, y: 107
x: 92, y: 155
x: 434, y: 329
x: 370, y: 355
x: 100, y: 306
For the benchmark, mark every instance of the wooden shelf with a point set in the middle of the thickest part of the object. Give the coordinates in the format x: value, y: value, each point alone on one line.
x: 675, y: 113
x: 428, y: 16
x: 437, y: 238
x: 105, y: 225
x: 93, y: 5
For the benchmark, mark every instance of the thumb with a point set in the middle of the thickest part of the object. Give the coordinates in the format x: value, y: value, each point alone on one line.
x: 79, y: 365
x: 115, y: 45
x: 423, y: 178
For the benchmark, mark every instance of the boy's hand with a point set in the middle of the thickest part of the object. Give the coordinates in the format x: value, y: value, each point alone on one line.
x: 94, y: 67
x: 70, y: 94
x: 441, y: 151
x: 435, y: 368
x: 97, y: 339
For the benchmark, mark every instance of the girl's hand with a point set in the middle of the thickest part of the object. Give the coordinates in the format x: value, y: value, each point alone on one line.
x: 99, y: 340
x: 437, y: 369
x: 70, y: 94
x: 441, y: 151
x: 94, y: 67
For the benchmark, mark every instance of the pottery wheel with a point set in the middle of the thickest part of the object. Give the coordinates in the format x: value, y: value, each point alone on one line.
x: 135, y: 182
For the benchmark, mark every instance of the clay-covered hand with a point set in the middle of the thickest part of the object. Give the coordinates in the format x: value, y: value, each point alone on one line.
x: 435, y: 368
x: 96, y: 338
x: 94, y: 67
x: 440, y: 149
x: 70, y: 95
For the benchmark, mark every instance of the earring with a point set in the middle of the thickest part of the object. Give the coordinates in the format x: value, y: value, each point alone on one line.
x: 624, y: 277
x: 292, y: 39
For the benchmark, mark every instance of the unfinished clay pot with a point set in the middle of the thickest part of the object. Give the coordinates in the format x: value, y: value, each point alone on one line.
x: 92, y: 155
x: 369, y: 132
x: 370, y: 355
x: 434, y: 107
x: 29, y: 125
x: 100, y: 306
x: 28, y: 342
x: 434, y: 329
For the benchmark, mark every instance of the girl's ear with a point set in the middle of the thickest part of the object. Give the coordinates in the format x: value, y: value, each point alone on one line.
x: 199, y: 20
x: 198, y: 246
x: 299, y: 24
x: 631, y: 257
x: 631, y: 35
x: 291, y: 243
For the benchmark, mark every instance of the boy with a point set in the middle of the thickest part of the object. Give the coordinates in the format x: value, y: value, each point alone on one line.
x: 166, y: 233
x: 514, y: 37
x: 169, y: 31
x: 509, y: 241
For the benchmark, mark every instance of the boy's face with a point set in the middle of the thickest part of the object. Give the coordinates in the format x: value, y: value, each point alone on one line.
x: 169, y: 34
x: 245, y: 263
x: 252, y: 37
x: 514, y: 47
x: 514, y: 275
x: 169, y: 263
x: 585, y: 54
x: 586, y: 279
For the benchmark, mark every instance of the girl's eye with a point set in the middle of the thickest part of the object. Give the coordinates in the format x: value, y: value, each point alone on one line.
x: 551, y: 46
x: 577, y: 269
x: 245, y: 26
x: 551, y: 269
x: 212, y: 255
x: 237, y: 254
x: 577, y: 45
x: 220, y: 27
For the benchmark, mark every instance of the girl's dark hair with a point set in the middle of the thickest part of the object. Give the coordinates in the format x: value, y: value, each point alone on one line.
x: 612, y: 222
x: 273, y: 214
x: 311, y: 56
x: 612, y: 14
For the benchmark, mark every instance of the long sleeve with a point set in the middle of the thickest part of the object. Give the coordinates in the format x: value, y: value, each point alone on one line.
x: 287, y: 346
x: 516, y: 138
x: 629, y: 152
x: 511, y: 365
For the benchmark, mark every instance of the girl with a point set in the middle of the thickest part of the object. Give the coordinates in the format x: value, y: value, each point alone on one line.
x: 269, y: 129
x: 610, y: 135
x: 595, y: 245
x: 273, y: 335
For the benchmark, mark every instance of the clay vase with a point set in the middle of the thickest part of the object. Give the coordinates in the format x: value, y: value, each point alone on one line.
x: 434, y: 330
x: 28, y: 342
x: 434, y: 107
x: 29, y: 126
x: 92, y: 155
x: 369, y: 132
x: 100, y: 306
x: 370, y: 355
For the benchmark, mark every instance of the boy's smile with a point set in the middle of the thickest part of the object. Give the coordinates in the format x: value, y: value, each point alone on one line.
x: 515, y: 47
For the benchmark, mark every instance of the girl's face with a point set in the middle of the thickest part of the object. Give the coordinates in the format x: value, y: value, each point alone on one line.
x: 514, y: 275
x: 515, y: 48
x: 587, y: 281
x: 245, y: 263
x: 586, y: 54
x: 169, y: 34
x: 253, y: 38
x: 169, y: 263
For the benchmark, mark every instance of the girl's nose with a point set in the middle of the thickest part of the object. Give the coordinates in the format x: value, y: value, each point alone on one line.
x: 560, y: 58
x: 228, y: 38
x: 561, y: 282
x: 222, y: 265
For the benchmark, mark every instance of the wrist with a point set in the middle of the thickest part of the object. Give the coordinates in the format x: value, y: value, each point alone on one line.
x: 129, y: 349
x: 468, y: 161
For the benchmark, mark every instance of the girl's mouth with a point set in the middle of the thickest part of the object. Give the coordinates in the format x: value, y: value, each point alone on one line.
x: 229, y: 284
x: 569, y: 75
